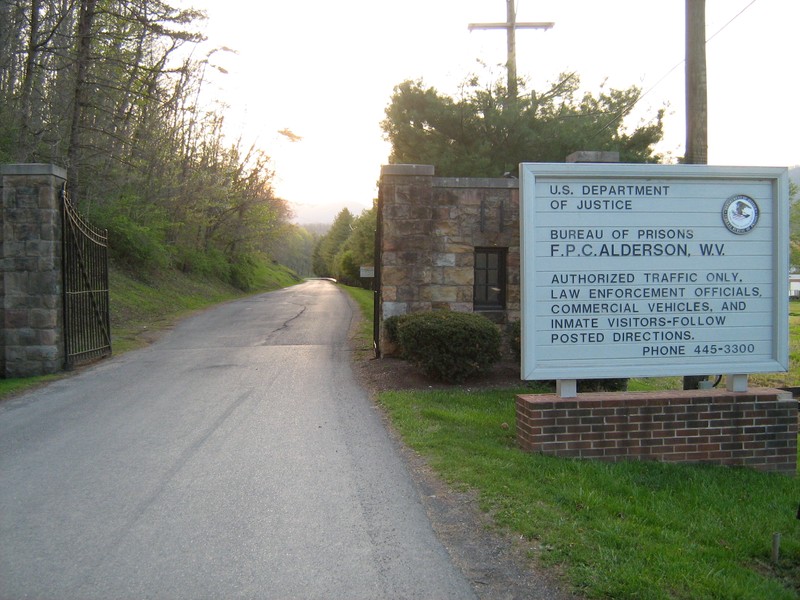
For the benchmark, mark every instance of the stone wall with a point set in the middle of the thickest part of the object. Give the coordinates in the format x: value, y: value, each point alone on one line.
x: 757, y: 429
x: 429, y: 228
x: 31, y: 315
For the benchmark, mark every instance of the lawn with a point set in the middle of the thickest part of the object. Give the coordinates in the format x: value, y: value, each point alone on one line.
x: 615, y: 530
x: 623, y: 530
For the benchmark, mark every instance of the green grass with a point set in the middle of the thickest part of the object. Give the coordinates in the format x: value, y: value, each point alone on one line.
x: 621, y: 530
x: 364, y: 299
x: 624, y: 530
x: 9, y: 387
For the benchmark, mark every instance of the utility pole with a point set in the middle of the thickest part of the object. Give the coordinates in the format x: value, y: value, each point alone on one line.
x: 696, y: 84
x: 511, y: 27
x: 696, y: 105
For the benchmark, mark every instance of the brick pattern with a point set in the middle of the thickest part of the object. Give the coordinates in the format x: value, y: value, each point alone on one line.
x: 757, y: 429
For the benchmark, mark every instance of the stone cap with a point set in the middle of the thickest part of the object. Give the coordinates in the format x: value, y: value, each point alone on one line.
x: 476, y: 182
x: 407, y: 170
x: 33, y: 169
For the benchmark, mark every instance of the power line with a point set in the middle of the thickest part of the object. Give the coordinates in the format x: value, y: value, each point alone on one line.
x: 629, y: 107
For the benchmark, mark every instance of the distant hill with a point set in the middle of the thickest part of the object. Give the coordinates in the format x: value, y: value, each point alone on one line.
x: 322, y: 213
x: 319, y: 229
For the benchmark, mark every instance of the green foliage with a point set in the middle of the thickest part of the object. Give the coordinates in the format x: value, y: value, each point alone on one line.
x: 449, y: 346
x: 253, y: 272
x: 358, y: 249
x: 347, y: 268
x: 244, y: 272
x: 294, y: 248
x: 366, y: 303
x: 792, y: 376
x: 392, y: 326
x: 361, y: 241
x: 211, y: 263
x: 349, y: 244
x: 602, y: 385
x: 121, y: 103
x: 484, y: 133
x: 131, y: 244
x: 330, y: 244
x: 14, y: 385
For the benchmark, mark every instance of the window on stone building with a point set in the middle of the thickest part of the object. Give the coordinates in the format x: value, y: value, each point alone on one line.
x: 490, y: 279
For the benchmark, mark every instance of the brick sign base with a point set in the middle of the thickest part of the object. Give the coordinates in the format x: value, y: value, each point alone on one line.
x: 757, y: 429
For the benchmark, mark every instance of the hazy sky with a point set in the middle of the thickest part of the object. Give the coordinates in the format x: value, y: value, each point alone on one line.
x: 325, y: 69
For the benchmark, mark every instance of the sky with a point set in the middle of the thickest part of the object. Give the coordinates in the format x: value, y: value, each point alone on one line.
x: 325, y: 70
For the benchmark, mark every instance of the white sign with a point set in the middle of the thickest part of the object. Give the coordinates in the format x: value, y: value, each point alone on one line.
x: 367, y: 272
x: 653, y: 270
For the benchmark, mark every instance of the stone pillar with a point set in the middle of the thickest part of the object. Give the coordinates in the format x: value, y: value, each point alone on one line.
x: 406, y: 244
x: 31, y: 302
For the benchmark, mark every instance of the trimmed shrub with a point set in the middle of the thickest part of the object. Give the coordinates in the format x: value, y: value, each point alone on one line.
x: 449, y: 346
x: 391, y: 326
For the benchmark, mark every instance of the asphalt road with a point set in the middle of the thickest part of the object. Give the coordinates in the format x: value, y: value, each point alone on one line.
x: 235, y: 458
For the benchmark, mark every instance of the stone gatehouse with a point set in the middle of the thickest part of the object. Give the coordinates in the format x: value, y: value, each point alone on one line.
x: 447, y: 243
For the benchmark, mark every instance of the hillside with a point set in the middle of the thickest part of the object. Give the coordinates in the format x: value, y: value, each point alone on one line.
x: 142, y: 305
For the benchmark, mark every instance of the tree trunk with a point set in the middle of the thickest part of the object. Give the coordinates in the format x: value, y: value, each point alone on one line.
x: 25, y: 112
x: 80, y: 96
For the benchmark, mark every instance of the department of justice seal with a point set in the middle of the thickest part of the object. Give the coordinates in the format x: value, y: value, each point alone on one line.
x: 740, y: 214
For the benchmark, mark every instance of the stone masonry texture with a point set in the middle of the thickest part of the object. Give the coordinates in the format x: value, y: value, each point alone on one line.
x: 30, y: 270
x: 430, y: 227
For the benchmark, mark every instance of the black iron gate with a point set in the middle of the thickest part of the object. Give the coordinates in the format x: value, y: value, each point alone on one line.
x: 87, y: 331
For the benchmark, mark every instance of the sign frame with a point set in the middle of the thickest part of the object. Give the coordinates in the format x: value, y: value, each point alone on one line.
x: 537, y: 358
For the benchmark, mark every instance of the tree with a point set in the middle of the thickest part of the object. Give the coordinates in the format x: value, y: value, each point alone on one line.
x: 111, y: 90
x: 294, y: 248
x: 348, y: 244
x: 484, y: 134
x: 358, y: 249
x: 329, y: 245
